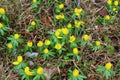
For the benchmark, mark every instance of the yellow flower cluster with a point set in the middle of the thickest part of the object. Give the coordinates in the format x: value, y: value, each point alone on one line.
x: 40, y: 71
x: 10, y: 45
x: 78, y: 11
x: 16, y: 36
x: 116, y: 2
x: 58, y: 46
x: 29, y: 43
x: 19, y: 60
x: 28, y: 72
x: 1, y: 25
x: 75, y: 73
x: 61, y: 6
x: 108, y: 66
x: 60, y: 16
x: 2, y: 11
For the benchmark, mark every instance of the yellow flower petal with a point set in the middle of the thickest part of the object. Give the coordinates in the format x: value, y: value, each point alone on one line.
x: 15, y: 63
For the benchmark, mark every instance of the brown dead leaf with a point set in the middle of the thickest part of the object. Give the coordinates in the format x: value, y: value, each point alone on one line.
x: 49, y: 72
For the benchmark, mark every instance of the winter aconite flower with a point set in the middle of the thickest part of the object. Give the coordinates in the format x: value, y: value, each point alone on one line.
x: 46, y: 51
x: 47, y: 42
x: 116, y: 3
x: 58, y: 46
x: 60, y: 16
x: 108, y: 66
x: 72, y: 39
x: 61, y: 6
x: 2, y: 11
x: 19, y: 60
x: 1, y: 25
x: 107, y: 17
x: 109, y: 2
x: 57, y: 33
x: 10, y: 45
x: 16, y: 36
x: 78, y: 11
x: 86, y: 37
x: 75, y: 51
x: 34, y: 1
x: 40, y: 43
x: 97, y: 43
x: 40, y: 70
x: 33, y: 23
x: 69, y: 25
x: 75, y: 73
x: 29, y: 43
x: 65, y: 31
x: 28, y: 72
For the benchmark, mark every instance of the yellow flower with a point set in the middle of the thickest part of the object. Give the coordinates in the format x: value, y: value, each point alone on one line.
x: 40, y: 71
x: 29, y: 43
x: 109, y: 2
x: 1, y: 25
x: 33, y: 23
x: 2, y: 11
x: 108, y: 66
x: 57, y: 16
x: 97, y: 43
x: 47, y: 42
x: 46, y: 51
x: 75, y: 73
x: 28, y: 72
x: 77, y: 24
x: 78, y: 11
x: 57, y: 33
x: 65, y: 31
x: 107, y: 17
x: 40, y: 43
x: 86, y: 37
x: 116, y: 3
x: 114, y: 9
x: 19, y: 60
x: 61, y: 6
x: 58, y: 46
x: 9, y: 45
x: 62, y: 16
x: 69, y: 25
x: 16, y: 36
x: 75, y: 51
x: 34, y: 1
x: 72, y: 39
